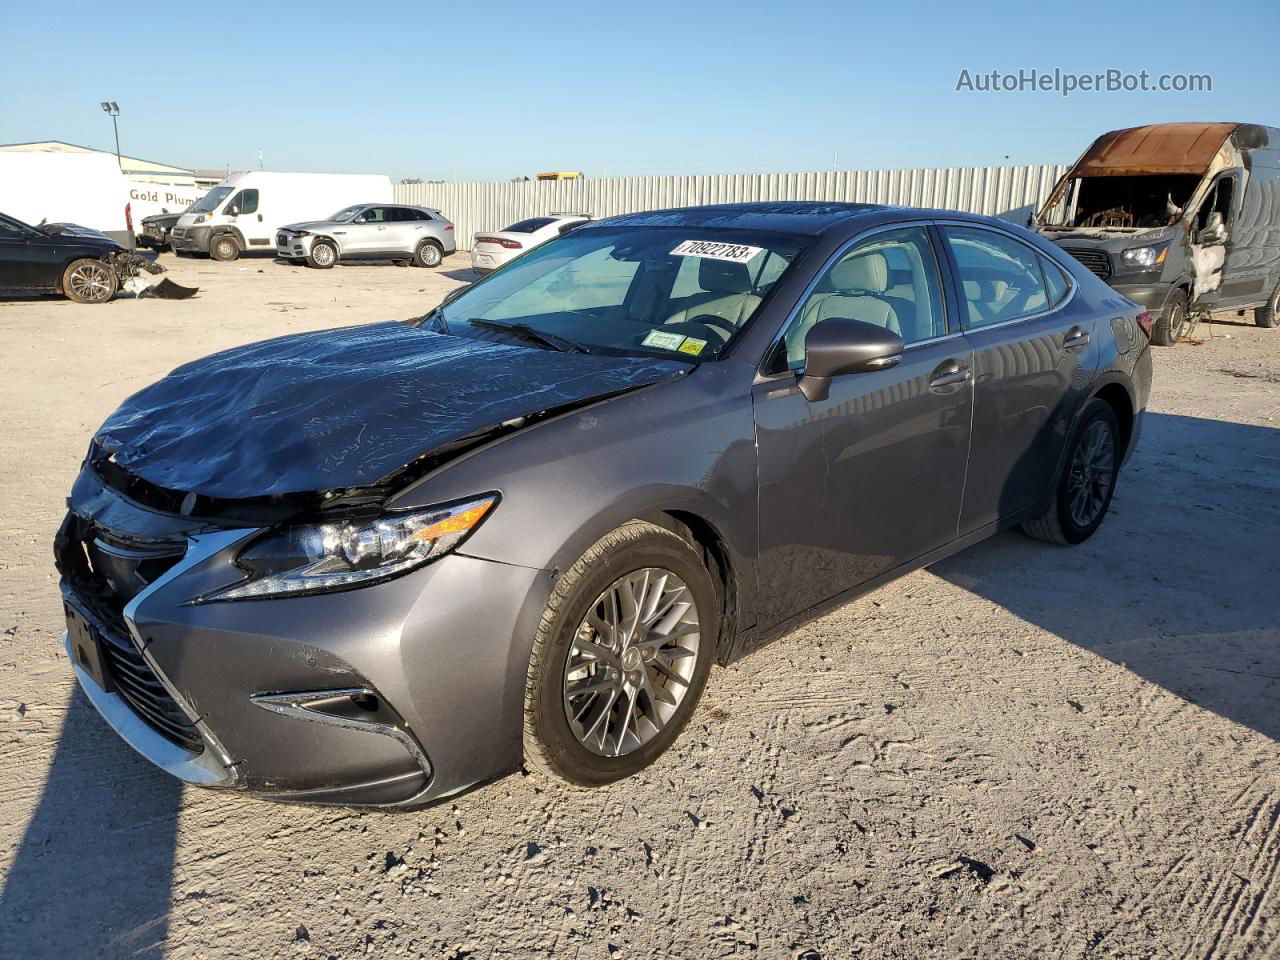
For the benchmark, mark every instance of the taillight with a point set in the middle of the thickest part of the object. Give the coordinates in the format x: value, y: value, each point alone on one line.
x: 128, y: 217
x: 502, y: 242
x: 449, y: 228
x: 1146, y: 321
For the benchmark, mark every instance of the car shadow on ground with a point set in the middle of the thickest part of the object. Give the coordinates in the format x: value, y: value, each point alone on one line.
x: 465, y: 274
x: 1196, y: 607
x: 92, y: 876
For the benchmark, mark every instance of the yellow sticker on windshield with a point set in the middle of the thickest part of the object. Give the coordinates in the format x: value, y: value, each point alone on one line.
x: 692, y: 345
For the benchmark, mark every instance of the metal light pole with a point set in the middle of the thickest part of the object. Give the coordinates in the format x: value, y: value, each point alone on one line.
x: 112, y: 109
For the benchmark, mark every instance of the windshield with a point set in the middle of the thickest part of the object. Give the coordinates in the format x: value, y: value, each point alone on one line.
x: 1130, y: 202
x: 209, y: 202
x: 675, y: 292
x: 346, y: 213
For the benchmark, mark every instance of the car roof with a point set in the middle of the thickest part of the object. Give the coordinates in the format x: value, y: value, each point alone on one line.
x: 806, y: 217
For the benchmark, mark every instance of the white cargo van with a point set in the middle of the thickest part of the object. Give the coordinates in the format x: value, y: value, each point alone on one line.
x: 86, y: 189
x: 243, y: 212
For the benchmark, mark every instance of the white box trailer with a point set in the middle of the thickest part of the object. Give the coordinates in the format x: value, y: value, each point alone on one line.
x: 154, y: 194
x: 245, y: 210
x: 87, y: 189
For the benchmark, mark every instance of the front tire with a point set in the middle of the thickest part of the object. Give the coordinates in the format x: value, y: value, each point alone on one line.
x: 1172, y: 322
x: 89, y: 281
x: 1269, y: 316
x: 224, y: 248
x: 1088, y: 480
x: 323, y: 255
x: 620, y: 657
x: 428, y: 254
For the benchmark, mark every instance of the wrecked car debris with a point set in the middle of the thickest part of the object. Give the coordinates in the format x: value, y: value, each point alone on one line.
x: 82, y: 264
x: 1180, y: 217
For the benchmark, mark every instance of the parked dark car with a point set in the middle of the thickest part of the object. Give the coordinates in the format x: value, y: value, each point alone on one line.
x: 377, y: 565
x: 58, y: 258
x: 156, y: 230
x: 1181, y: 217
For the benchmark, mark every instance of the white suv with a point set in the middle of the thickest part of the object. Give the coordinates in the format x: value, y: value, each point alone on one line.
x: 369, y: 231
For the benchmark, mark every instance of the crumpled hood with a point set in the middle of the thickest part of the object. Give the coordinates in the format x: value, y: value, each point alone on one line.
x: 343, y: 408
x: 315, y: 225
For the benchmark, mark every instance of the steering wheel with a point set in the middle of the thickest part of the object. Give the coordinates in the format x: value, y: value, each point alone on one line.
x: 711, y: 322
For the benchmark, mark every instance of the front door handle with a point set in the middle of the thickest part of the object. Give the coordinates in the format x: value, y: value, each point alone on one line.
x: 947, y: 374
x: 1076, y: 338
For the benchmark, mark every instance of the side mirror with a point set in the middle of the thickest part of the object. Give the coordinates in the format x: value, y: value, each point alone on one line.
x: 231, y: 210
x: 837, y: 346
x: 1214, y: 230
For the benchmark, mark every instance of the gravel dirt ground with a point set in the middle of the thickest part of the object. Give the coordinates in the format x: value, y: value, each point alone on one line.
x: 1024, y: 751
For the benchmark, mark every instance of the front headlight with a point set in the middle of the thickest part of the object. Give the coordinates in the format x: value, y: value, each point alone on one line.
x: 300, y: 233
x: 312, y: 558
x: 1152, y: 256
x: 200, y: 218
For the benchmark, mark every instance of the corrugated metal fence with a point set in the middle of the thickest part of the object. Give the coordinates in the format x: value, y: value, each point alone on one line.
x: 479, y: 206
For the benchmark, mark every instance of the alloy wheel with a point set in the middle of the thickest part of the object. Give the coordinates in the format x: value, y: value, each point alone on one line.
x: 322, y: 253
x: 91, y: 282
x: 1092, y: 473
x: 631, y: 661
x: 430, y: 254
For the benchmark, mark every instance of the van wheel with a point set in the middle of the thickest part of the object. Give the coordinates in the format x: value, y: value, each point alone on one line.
x: 620, y: 657
x: 89, y: 281
x: 224, y: 248
x: 1172, y: 322
x: 323, y: 255
x: 428, y: 254
x: 1269, y: 316
x: 1088, y: 480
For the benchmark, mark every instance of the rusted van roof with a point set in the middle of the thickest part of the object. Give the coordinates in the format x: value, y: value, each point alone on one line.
x: 1156, y: 148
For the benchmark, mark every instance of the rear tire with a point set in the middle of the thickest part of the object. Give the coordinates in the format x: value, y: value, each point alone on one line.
x: 1269, y: 316
x: 224, y: 248
x: 570, y: 653
x: 323, y: 255
x: 1080, y: 502
x: 1172, y: 322
x: 428, y: 254
x: 89, y: 281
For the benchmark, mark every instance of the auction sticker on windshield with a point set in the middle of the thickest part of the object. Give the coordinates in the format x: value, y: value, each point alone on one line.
x: 663, y: 340
x: 712, y: 250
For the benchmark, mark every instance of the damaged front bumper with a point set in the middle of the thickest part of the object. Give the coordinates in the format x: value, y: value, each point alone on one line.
x: 190, y: 239
x: 395, y: 693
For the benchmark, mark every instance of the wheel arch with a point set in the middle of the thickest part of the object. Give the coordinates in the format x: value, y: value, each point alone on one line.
x: 718, y: 559
x: 1116, y: 395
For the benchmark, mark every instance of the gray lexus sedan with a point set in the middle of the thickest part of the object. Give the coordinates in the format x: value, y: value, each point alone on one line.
x: 379, y: 564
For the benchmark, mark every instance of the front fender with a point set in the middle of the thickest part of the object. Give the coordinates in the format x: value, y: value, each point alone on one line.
x: 685, y: 446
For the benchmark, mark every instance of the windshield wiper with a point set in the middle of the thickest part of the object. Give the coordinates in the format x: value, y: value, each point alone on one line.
x: 532, y: 334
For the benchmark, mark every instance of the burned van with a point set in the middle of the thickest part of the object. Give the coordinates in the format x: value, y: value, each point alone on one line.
x: 1183, y: 218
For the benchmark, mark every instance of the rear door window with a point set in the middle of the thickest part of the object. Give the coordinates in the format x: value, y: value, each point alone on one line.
x: 999, y: 276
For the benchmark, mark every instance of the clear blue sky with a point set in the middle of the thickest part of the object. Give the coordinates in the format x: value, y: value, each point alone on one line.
x: 496, y: 90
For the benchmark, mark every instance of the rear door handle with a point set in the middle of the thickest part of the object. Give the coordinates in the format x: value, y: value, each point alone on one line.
x: 1076, y: 337
x: 948, y: 373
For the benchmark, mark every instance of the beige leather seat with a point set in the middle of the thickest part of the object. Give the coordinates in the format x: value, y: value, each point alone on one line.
x: 727, y: 294
x: 857, y: 292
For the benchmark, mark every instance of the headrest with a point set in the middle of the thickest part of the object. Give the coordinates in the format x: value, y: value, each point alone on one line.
x: 869, y: 272
x: 723, y: 276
